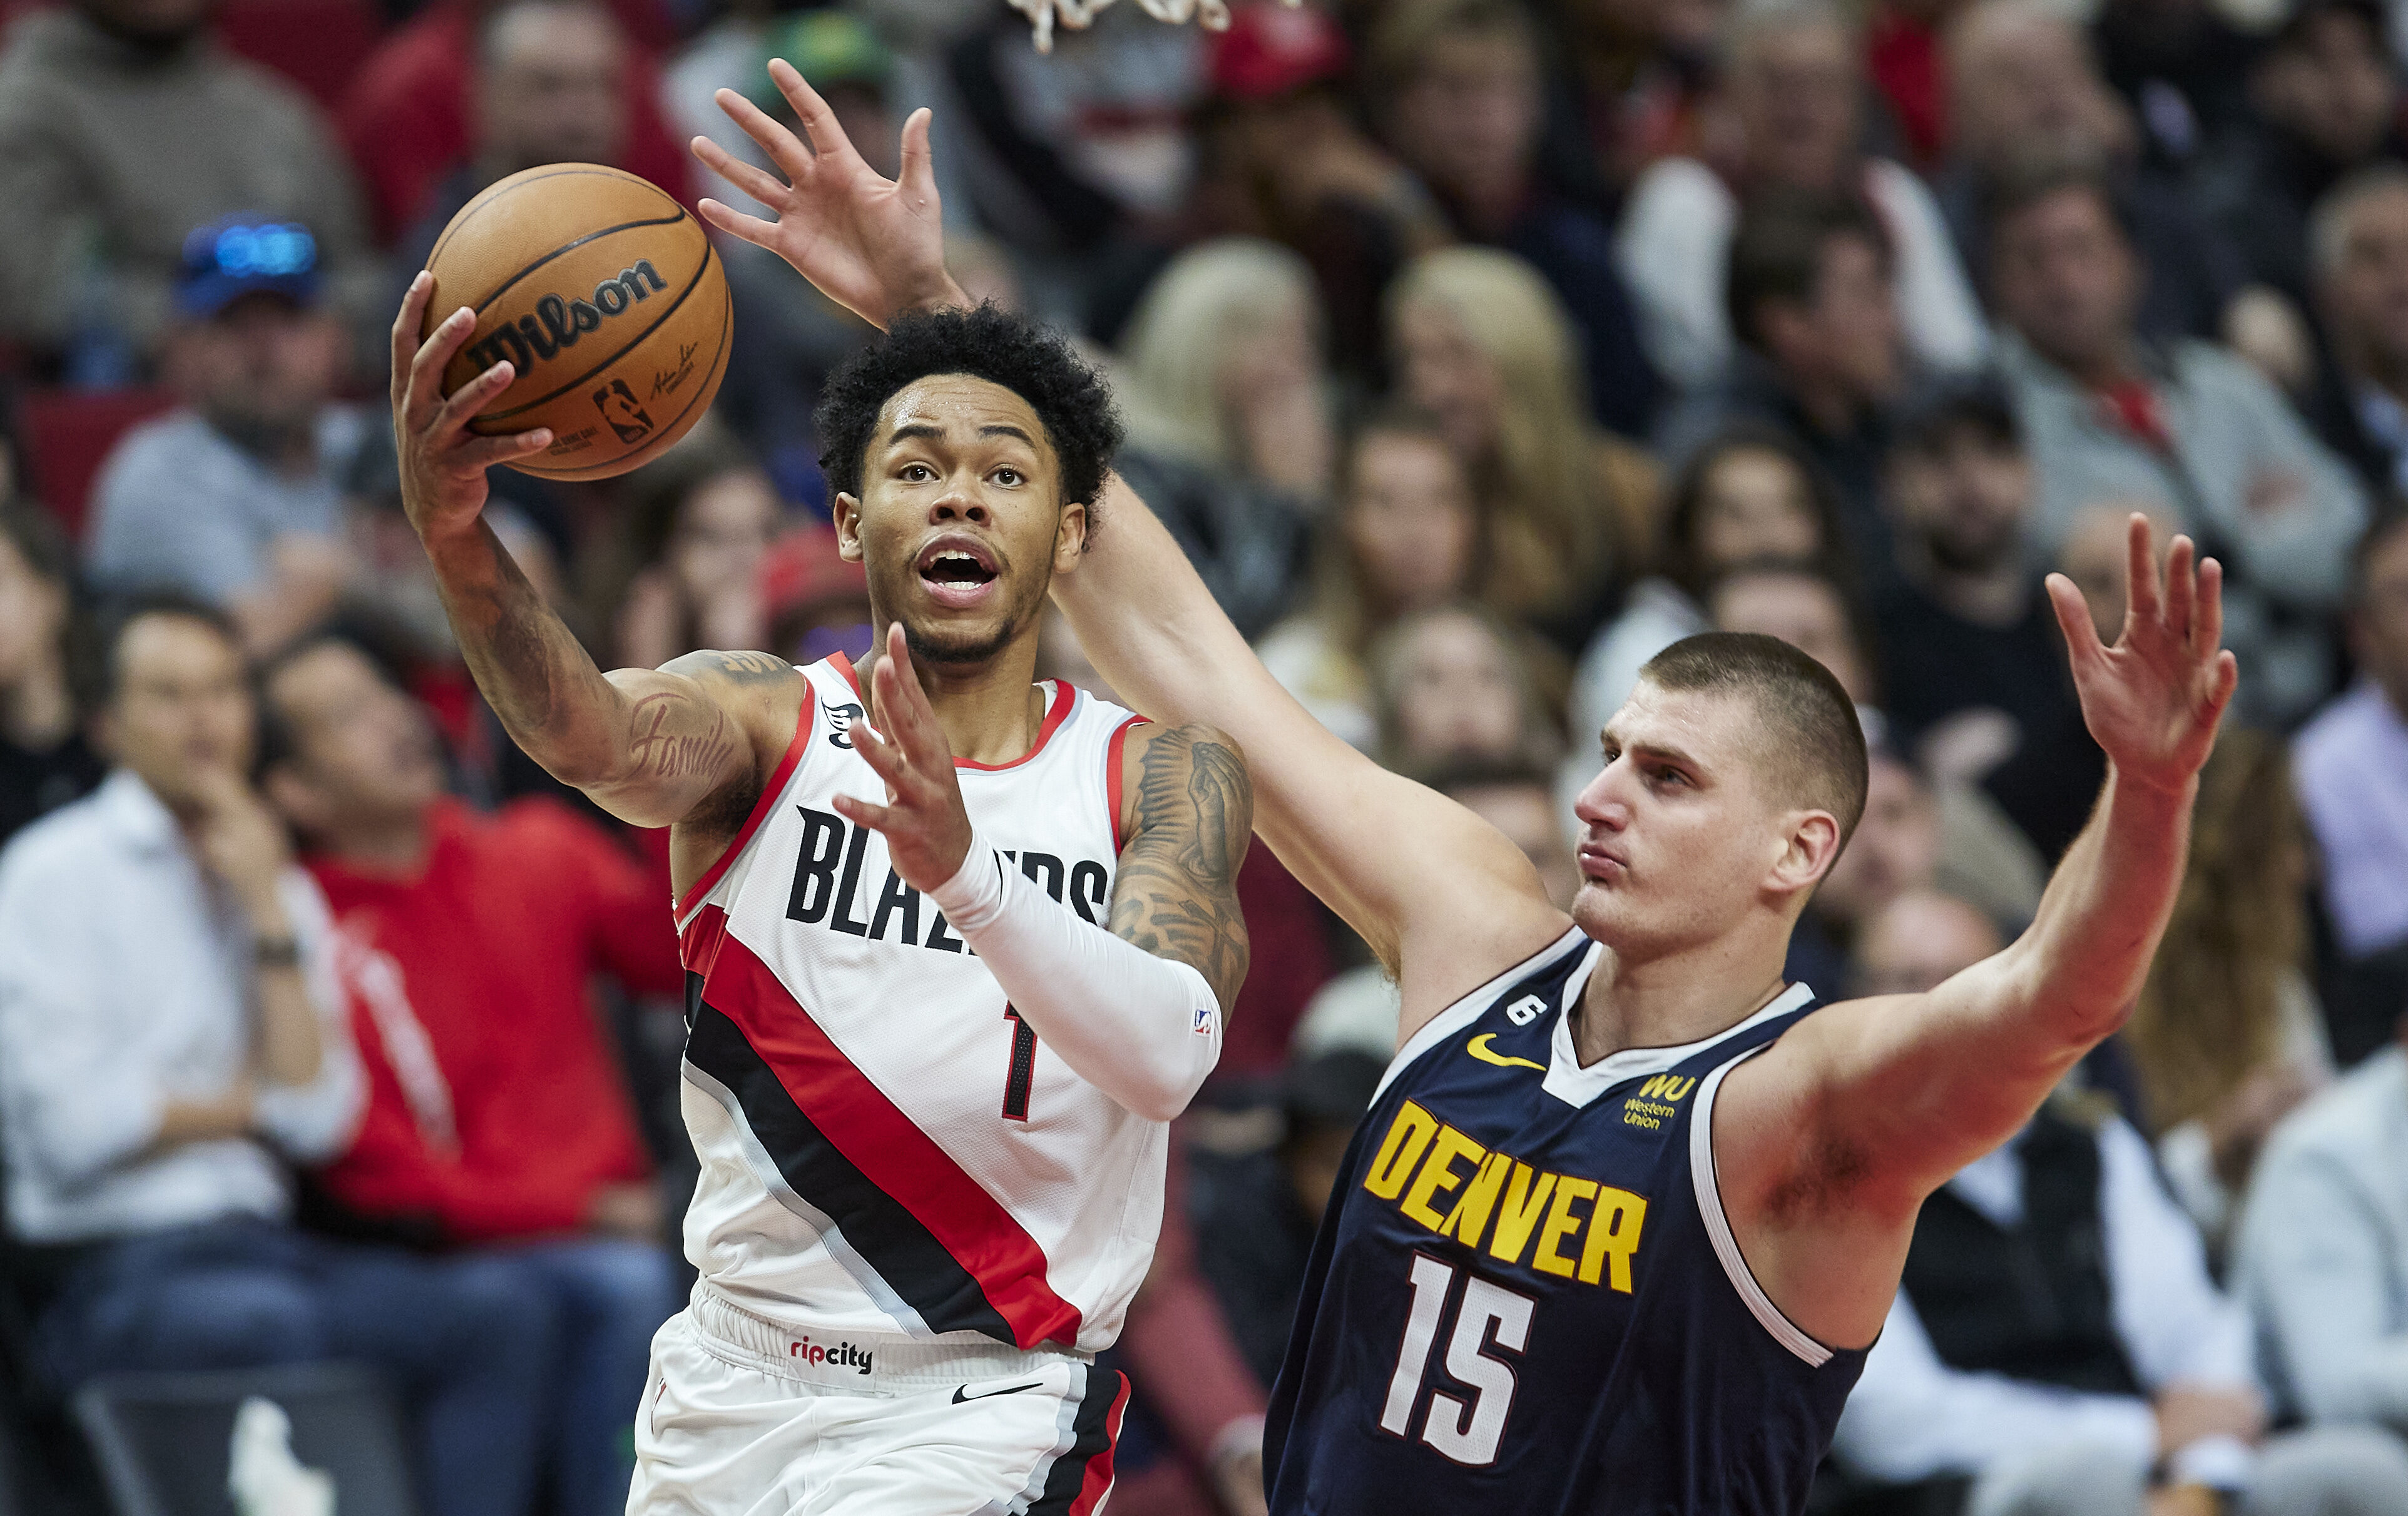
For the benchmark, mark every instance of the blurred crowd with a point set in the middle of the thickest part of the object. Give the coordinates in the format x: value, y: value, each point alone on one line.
x: 1475, y: 350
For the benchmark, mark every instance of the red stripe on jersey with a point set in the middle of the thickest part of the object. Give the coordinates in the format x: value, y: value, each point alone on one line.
x: 698, y: 944
x: 1112, y: 767
x: 769, y: 793
x: 890, y: 1150
x: 1056, y: 712
x: 1099, y: 1482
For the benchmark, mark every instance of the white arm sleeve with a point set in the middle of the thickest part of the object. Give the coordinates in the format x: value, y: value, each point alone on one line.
x: 1142, y: 1029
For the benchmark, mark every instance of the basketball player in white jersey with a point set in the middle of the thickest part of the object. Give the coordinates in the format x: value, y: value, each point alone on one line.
x: 959, y: 945
x: 1756, y: 1246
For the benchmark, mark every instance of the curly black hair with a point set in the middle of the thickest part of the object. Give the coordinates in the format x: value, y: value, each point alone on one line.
x: 1033, y: 361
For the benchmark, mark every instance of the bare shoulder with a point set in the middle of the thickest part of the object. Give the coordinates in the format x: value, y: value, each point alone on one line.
x: 1190, y: 779
x: 760, y: 696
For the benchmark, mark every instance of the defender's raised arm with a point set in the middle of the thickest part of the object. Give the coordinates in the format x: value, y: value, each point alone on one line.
x: 651, y: 747
x: 1838, y: 1132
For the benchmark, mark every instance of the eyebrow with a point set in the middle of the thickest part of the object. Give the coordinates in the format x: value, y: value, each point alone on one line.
x: 1005, y: 429
x: 912, y: 429
x: 1652, y: 750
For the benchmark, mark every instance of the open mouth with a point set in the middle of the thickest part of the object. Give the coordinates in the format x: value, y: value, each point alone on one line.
x: 956, y: 570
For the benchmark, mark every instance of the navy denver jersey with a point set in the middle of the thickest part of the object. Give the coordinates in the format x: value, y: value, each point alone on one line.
x: 1525, y: 1297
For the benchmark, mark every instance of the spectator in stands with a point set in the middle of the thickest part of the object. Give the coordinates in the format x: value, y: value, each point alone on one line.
x: 550, y: 82
x: 1227, y: 401
x: 1794, y: 81
x: 2022, y: 83
x: 2353, y: 780
x: 1905, y: 61
x: 1750, y: 495
x: 170, y: 1035
x: 122, y: 126
x: 2228, y: 1036
x: 2183, y: 70
x: 1638, y: 76
x: 237, y: 496
x: 414, y: 115
x: 1284, y: 157
x: 1456, y: 89
x: 495, y: 1112
x: 1973, y: 671
x: 44, y: 758
x: 2318, y: 1257
x: 698, y: 527
x: 1809, y: 293
x: 2328, y: 104
x: 1077, y: 162
x: 1479, y: 341
x: 2358, y: 249
x: 2058, y: 1345
x: 2109, y: 414
x: 1811, y: 610
x: 1452, y: 686
x: 1403, y: 538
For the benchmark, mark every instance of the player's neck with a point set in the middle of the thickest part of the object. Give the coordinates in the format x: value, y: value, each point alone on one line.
x: 991, y: 710
x: 1673, y: 999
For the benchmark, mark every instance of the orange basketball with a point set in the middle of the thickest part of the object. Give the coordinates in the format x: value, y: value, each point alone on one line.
x: 608, y: 302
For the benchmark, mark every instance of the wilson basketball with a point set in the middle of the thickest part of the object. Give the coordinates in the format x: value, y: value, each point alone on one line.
x: 608, y: 302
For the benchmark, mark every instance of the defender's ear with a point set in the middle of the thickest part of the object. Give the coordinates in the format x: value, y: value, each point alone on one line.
x: 1069, y: 537
x: 1813, y: 846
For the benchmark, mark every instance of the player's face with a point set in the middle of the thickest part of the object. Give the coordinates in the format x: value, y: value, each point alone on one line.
x: 1682, y: 837
x: 961, y: 520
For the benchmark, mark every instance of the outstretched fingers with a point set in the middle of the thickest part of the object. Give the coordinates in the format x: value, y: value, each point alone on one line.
x: 406, y: 325
x: 819, y: 122
x: 791, y: 157
x: 752, y: 179
x: 2081, y: 644
x: 736, y: 224
x: 2142, y: 600
x: 2207, y: 622
x: 2182, y: 589
x: 486, y: 452
x: 918, y: 173
x: 425, y: 390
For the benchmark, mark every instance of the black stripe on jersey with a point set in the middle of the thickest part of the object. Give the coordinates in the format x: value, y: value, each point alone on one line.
x: 887, y: 1235
x: 1091, y: 1434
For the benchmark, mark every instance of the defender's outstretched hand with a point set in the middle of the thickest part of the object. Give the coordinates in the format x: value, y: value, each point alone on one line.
x: 926, y: 828
x: 443, y: 464
x: 2152, y: 700
x: 873, y: 245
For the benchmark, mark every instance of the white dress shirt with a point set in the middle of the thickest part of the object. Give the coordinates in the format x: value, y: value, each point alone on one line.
x: 125, y: 982
x: 1912, y: 1416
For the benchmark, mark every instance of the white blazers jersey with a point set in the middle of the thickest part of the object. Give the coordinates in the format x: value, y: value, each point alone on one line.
x: 885, y: 1146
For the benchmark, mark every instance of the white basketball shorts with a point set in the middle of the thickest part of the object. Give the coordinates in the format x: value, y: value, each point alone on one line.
x: 741, y: 1418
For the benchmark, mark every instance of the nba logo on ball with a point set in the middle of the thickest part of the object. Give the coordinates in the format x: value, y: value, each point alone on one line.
x: 606, y: 300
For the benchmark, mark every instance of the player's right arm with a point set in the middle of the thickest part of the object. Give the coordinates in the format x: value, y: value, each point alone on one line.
x: 651, y: 746
x: 1445, y: 899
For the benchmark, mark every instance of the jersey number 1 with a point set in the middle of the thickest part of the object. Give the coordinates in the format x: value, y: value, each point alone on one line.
x: 1023, y: 1071
x: 1489, y: 1316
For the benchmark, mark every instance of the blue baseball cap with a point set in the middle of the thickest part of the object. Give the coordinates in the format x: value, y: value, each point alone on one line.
x: 245, y: 254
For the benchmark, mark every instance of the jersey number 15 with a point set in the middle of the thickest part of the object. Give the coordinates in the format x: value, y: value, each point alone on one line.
x: 1488, y: 1316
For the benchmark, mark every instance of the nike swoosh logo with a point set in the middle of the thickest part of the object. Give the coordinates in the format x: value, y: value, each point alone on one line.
x: 962, y: 1395
x: 1477, y: 1047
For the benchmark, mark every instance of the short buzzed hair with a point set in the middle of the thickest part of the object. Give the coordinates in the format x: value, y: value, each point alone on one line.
x: 1816, y: 746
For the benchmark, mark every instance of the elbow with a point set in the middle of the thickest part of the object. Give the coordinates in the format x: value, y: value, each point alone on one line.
x: 1160, y: 1101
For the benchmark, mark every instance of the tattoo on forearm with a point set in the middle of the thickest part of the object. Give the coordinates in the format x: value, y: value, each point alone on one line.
x: 669, y: 755
x: 1176, y: 895
x: 509, y: 645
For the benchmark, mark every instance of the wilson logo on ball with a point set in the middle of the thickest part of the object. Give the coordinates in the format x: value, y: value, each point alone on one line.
x: 558, y: 323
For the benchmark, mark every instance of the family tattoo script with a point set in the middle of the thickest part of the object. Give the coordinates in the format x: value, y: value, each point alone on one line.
x: 666, y: 755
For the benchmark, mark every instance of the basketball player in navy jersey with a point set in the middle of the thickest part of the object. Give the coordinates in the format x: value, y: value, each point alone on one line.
x: 1629, y: 1209
x: 957, y: 944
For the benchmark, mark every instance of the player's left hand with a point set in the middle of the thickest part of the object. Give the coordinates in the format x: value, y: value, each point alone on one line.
x: 926, y: 829
x: 2152, y: 700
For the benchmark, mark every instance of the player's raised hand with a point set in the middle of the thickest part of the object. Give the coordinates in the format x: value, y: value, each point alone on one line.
x: 443, y: 464
x: 926, y: 829
x: 2152, y: 701
x: 873, y: 245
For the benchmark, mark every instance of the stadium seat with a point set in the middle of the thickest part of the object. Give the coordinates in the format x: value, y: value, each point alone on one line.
x: 317, y: 44
x: 68, y: 435
x: 163, y: 1441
